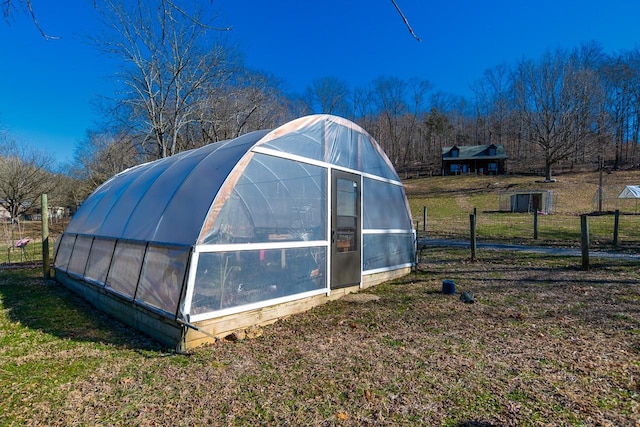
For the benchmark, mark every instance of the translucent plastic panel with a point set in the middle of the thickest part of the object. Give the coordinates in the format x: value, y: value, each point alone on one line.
x: 323, y: 140
x: 114, y: 224
x: 162, y: 201
x: 99, y: 260
x: 375, y: 162
x: 78, y: 260
x: 385, y: 206
x: 162, y: 277
x: 125, y: 268
x: 343, y: 146
x: 333, y: 142
x: 93, y: 212
x: 63, y: 254
x: 182, y: 221
x: 231, y: 279
x: 387, y: 250
x: 274, y: 200
x: 308, y: 142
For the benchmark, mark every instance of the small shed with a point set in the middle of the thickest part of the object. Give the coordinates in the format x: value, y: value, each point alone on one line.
x: 527, y: 201
x: 631, y: 192
x: 241, y: 232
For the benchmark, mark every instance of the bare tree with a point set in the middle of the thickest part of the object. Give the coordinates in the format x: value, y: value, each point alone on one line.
x: 248, y: 101
x: 9, y: 7
x: 389, y: 95
x: 329, y: 95
x: 620, y: 75
x: 171, y: 60
x: 418, y: 108
x: 103, y: 155
x: 492, y: 102
x: 25, y: 174
x: 556, y: 100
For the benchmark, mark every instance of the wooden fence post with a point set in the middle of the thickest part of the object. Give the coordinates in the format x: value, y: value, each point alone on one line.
x: 424, y: 218
x: 584, y: 233
x: 45, y: 237
x: 616, y: 226
x: 535, y: 224
x: 472, y: 224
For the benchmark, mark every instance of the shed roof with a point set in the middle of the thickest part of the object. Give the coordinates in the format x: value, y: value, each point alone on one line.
x: 630, y: 192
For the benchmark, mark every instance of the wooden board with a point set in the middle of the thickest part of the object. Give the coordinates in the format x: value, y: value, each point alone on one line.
x: 222, y: 326
x: 174, y: 335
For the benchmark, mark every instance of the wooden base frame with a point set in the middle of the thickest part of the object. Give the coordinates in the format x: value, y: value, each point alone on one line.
x: 182, y: 337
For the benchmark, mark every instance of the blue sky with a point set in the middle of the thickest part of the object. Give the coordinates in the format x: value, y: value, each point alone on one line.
x: 48, y: 88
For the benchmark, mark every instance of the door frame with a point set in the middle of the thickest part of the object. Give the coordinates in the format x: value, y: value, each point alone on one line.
x: 345, y: 230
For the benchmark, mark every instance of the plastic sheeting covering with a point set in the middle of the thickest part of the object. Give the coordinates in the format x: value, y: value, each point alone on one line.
x: 165, y: 201
x: 251, y: 213
x: 337, y: 141
x: 274, y: 199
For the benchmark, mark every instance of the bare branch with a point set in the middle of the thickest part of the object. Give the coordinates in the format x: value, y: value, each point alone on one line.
x: 193, y: 19
x: 37, y: 24
x: 406, y: 22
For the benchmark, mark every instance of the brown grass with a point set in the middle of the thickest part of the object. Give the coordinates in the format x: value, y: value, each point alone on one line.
x: 544, y: 344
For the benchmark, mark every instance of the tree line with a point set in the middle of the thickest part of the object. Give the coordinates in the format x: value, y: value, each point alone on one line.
x: 184, y: 85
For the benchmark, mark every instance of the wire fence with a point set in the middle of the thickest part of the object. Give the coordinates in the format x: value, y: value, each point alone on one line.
x: 21, y: 246
x: 21, y: 242
x: 552, y: 229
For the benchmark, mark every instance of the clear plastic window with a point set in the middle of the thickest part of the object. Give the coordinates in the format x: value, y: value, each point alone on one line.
x: 63, y: 254
x: 79, y: 256
x: 99, y: 260
x: 125, y: 268
x: 230, y: 279
x: 387, y: 250
x: 385, y: 206
x: 274, y: 200
x: 162, y: 277
x: 346, y: 215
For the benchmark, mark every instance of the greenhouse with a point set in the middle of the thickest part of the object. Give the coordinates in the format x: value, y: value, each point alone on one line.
x: 240, y: 233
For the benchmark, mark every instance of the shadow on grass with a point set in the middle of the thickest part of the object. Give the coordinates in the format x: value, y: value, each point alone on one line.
x: 475, y: 423
x: 42, y: 305
x: 603, y: 298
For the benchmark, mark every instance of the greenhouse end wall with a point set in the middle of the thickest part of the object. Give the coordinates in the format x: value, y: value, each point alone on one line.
x: 241, y: 232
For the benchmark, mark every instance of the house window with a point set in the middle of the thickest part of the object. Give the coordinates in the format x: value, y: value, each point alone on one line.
x: 492, y: 167
x: 454, y: 152
x: 454, y: 168
x: 492, y: 151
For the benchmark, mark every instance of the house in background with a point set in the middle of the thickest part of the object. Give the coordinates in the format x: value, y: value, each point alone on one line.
x: 487, y: 159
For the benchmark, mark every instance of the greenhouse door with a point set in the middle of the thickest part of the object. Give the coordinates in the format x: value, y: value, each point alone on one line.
x: 345, y: 230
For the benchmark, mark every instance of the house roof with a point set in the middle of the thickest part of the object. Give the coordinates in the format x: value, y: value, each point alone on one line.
x: 474, y: 152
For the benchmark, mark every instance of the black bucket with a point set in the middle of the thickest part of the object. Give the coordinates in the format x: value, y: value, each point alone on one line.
x: 448, y: 287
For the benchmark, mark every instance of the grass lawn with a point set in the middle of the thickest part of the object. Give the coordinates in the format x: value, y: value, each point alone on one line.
x: 450, y: 200
x: 544, y: 344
